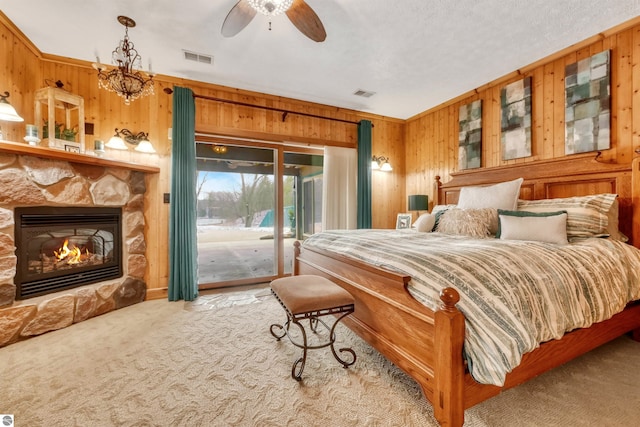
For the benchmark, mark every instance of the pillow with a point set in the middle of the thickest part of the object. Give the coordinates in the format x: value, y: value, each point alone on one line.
x: 438, y: 208
x: 549, y: 227
x: 612, y: 227
x: 587, y: 216
x: 425, y: 222
x: 497, y: 196
x: 438, y: 215
x: 465, y: 222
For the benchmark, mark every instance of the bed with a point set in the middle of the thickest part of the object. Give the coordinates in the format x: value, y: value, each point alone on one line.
x: 428, y: 344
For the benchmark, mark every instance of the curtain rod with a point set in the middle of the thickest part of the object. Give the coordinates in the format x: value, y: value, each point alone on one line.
x: 169, y: 91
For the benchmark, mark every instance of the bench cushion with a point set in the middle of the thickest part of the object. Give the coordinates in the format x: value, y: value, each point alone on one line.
x: 306, y: 293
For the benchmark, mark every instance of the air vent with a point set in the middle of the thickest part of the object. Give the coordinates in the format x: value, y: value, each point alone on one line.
x: 198, y: 57
x: 364, y: 93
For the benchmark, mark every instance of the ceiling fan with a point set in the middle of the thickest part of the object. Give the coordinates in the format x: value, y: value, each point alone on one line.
x: 299, y: 12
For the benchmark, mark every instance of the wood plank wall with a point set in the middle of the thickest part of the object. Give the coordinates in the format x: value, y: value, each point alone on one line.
x: 431, y: 138
x: 24, y: 69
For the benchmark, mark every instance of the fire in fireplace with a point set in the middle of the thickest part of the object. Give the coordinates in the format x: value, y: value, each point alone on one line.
x: 60, y: 248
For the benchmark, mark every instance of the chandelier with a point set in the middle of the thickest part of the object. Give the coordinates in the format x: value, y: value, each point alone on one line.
x: 271, y: 7
x: 124, y: 79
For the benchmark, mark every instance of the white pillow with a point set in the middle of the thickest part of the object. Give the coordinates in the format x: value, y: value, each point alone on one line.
x: 499, y: 196
x: 549, y: 229
x: 425, y: 222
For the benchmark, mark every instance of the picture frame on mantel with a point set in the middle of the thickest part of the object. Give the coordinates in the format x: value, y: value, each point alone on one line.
x: 470, y: 136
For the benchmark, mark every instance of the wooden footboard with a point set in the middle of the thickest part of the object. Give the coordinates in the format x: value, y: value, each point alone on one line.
x: 426, y: 345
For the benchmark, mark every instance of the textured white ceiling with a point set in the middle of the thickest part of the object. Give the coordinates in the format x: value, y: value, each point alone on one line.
x: 414, y: 54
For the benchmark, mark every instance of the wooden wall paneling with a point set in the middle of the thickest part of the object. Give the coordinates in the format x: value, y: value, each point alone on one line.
x: 450, y: 163
x: 16, y: 72
x: 156, y: 218
x: 635, y: 89
x: 491, y: 103
x: 416, y: 153
x: 445, y: 126
x: 537, y: 112
x: 621, y: 99
x: 545, y: 149
x: 559, y: 106
x: 388, y: 189
x: 430, y: 155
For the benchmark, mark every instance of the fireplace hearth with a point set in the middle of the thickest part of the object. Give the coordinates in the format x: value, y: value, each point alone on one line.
x: 60, y: 248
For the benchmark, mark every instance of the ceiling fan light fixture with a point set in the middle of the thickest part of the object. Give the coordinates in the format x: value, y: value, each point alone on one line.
x: 271, y: 7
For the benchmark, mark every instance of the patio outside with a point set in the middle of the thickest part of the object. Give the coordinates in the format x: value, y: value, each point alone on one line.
x: 231, y: 253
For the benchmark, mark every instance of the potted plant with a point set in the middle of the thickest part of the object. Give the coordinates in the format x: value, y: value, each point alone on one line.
x: 57, y: 129
x: 68, y: 134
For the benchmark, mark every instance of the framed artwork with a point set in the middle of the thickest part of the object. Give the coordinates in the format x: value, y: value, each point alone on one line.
x: 588, y: 104
x: 403, y: 221
x: 515, y: 122
x: 71, y: 148
x: 470, y: 135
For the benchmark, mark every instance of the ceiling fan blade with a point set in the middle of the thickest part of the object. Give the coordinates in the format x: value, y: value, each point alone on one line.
x: 239, y: 17
x: 306, y: 20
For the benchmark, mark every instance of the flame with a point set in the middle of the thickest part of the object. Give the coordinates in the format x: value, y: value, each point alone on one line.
x: 72, y: 256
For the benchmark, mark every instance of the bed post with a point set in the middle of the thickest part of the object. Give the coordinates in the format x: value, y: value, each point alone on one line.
x: 448, y: 394
x: 436, y: 191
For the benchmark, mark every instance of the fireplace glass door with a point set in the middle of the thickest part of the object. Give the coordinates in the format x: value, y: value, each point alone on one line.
x: 61, y: 248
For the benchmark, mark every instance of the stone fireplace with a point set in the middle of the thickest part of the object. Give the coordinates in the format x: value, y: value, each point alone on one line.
x: 84, y: 190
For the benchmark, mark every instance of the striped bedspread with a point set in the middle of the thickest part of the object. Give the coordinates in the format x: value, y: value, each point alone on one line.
x: 514, y: 294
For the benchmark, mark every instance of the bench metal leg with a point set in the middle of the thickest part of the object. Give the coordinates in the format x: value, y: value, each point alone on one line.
x: 279, y: 331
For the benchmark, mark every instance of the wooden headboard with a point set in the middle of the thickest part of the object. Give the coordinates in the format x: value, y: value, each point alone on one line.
x: 577, y: 175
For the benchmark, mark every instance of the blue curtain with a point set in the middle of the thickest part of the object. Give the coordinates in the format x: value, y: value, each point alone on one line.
x: 364, y: 174
x: 183, y: 250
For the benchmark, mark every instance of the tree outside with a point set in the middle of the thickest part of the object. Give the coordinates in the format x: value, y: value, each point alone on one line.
x: 254, y: 194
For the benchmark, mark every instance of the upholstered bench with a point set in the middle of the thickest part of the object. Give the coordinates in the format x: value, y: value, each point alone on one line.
x: 311, y: 297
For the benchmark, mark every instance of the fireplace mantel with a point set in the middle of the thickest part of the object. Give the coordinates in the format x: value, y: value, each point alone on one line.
x: 52, y: 153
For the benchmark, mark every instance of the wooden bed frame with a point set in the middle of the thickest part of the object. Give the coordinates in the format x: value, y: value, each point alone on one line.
x: 428, y: 345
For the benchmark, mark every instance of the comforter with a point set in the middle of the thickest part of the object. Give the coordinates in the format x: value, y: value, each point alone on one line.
x: 515, y: 295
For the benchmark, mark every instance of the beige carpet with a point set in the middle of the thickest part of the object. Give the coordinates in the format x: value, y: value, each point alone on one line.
x: 214, y: 363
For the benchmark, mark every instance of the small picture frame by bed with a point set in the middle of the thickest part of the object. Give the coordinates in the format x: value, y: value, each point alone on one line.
x: 403, y: 221
x: 71, y: 148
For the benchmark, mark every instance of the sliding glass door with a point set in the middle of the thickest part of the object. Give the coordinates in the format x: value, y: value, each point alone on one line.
x: 249, y: 205
x: 237, y: 216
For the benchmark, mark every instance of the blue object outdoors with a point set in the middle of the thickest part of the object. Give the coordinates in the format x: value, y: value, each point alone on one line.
x: 267, y: 221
